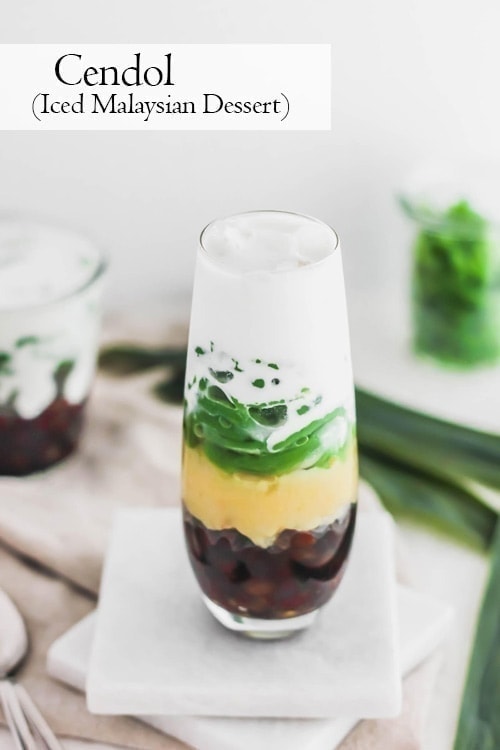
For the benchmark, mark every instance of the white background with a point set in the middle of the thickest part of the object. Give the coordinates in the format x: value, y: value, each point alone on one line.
x: 411, y: 79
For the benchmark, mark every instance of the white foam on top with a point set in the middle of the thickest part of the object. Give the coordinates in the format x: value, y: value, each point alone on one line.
x: 268, y: 241
x: 287, y: 332
x: 40, y: 264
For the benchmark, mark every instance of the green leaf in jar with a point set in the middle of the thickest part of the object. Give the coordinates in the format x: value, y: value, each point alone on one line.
x: 456, y: 293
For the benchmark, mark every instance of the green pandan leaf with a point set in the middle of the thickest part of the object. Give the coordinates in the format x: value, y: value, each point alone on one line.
x: 479, y: 722
x: 129, y: 359
x: 27, y: 341
x: 171, y: 389
x: 409, y: 493
x: 437, y: 447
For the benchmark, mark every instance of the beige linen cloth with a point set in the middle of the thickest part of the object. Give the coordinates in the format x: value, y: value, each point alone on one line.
x: 53, y: 533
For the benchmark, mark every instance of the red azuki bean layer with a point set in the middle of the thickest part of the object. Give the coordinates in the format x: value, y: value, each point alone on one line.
x: 28, y: 445
x: 298, y: 574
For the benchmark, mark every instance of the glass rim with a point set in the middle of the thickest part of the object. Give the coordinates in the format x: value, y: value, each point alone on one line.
x: 438, y: 184
x: 435, y: 221
x: 102, y: 265
x: 312, y: 264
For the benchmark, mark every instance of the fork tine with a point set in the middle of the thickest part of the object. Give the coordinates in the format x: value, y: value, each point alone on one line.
x: 36, y: 719
x: 10, y: 720
x: 21, y: 728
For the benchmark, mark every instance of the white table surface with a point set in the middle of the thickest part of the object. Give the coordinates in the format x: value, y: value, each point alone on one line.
x: 442, y: 569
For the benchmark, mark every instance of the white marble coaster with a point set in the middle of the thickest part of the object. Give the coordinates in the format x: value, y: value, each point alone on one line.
x: 157, y: 650
x: 423, y: 624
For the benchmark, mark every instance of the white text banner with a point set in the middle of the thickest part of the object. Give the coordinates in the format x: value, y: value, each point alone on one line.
x: 165, y: 87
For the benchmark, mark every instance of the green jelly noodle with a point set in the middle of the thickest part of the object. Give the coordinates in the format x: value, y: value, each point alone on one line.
x: 233, y: 435
x: 456, y: 287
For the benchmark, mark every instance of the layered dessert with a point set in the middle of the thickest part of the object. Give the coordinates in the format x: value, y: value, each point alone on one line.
x: 50, y: 285
x: 269, y: 461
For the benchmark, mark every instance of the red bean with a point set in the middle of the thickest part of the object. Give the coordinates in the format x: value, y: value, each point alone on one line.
x: 28, y: 445
x: 297, y: 574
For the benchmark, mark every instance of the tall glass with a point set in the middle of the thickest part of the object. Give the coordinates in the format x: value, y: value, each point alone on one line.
x: 269, y: 457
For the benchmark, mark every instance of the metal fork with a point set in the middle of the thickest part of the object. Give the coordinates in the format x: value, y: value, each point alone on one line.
x: 27, y: 725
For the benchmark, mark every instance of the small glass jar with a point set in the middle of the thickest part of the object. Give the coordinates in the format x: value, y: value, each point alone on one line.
x: 456, y: 269
x: 50, y: 293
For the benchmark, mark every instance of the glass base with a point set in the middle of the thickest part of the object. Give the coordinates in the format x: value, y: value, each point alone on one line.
x: 260, y: 629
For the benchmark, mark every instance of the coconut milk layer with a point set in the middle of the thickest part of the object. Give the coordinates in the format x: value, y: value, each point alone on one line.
x: 49, y: 315
x: 269, y: 308
x: 40, y: 264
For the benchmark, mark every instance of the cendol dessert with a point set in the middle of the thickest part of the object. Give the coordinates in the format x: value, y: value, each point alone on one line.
x: 269, y: 460
x: 50, y: 284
